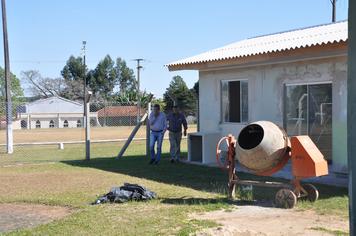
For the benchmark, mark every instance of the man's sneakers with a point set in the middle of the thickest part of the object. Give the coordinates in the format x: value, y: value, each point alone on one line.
x: 153, y: 161
x: 174, y: 160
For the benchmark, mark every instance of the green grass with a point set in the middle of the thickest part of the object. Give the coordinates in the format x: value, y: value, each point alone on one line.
x: 329, y: 231
x: 62, y: 177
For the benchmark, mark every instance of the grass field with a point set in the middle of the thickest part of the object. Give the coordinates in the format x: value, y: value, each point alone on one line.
x: 63, y: 178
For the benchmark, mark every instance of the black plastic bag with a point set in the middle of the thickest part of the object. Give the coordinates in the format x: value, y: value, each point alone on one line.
x: 126, y: 193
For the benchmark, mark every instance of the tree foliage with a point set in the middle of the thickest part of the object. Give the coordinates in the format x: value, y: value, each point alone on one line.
x: 73, y: 74
x: 131, y: 97
x: 126, y: 77
x: 103, y: 78
x: 16, y: 90
x: 42, y: 86
x: 179, y: 93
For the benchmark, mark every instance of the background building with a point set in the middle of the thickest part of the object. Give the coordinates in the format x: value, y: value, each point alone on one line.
x: 53, y: 112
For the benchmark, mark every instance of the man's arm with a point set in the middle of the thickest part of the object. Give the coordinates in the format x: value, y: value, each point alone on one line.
x: 185, y: 125
x: 164, y: 123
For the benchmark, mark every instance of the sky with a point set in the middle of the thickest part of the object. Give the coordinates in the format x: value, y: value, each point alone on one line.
x: 43, y: 34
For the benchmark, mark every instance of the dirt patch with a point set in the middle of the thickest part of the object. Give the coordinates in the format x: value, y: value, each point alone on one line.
x: 257, y: 220
x: 18, y: 216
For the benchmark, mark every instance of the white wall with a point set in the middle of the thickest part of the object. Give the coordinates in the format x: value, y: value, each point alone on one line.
x: 266, y: 86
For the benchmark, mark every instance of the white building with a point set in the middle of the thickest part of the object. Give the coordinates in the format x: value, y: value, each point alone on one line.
x: 297, y: 79
x: 53, y: 112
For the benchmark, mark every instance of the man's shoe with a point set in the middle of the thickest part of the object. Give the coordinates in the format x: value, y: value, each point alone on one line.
x: 177, y: 160
x: 156, y: 162
x: 151, y: 161
x: 172, y: 161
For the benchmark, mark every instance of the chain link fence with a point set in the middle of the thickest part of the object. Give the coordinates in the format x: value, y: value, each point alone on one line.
x: 53, y: 128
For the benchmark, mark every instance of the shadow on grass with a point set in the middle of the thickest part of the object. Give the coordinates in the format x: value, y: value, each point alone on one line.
x: 207, y: 201
x: 197, y: 177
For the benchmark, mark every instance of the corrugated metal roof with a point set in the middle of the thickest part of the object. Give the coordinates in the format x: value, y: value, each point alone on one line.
x: 288, y: 40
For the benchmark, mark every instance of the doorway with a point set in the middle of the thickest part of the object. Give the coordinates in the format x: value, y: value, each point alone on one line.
x: 308, y: 111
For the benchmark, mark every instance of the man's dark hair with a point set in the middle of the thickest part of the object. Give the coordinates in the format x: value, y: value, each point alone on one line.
x: 157, y: 106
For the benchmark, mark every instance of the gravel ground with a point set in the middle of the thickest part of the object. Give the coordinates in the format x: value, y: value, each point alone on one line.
x: 18, y: 216
x: 269, y: 221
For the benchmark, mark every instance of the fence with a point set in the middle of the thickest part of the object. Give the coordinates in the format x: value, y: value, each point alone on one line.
x: 54, y: 128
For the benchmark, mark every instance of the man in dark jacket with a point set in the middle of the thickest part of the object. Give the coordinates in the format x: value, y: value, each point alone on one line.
x: 176, y: 120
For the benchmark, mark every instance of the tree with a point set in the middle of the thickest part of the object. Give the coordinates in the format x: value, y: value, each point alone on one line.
x: 73, y: 74
x: 195, y: 88
x: 103, y: 78
x: 126, y: 77
x: 179, y: 93
x: 43, y: 87
x: 16, y: 89
x: 131, y: 98
x: 160, y: 102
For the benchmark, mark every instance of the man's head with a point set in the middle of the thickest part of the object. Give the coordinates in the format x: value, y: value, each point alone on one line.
x: 175, y: 109
x: 156, y: 109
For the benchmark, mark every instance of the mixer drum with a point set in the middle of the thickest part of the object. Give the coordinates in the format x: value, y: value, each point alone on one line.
x: 262, y: 146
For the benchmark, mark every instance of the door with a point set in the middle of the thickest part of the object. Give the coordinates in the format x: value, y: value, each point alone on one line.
x: 308, y: 111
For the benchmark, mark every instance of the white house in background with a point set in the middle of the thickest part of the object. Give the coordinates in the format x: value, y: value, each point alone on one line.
x: 53, y: 112
x: 297, y: 79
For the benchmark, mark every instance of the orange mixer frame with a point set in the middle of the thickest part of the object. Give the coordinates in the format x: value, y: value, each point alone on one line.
x: 307, y: 161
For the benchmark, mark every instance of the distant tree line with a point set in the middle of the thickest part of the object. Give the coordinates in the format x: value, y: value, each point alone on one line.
x: 179, y: 94
x: 102, y: 81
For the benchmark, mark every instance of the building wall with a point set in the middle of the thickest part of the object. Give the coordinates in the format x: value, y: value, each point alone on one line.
x: 72, y: 122
x: 266, y: 100
x: 58, y: 118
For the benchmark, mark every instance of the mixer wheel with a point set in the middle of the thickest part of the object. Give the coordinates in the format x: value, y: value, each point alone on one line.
x: 313, y: 193
x: 285, y: 198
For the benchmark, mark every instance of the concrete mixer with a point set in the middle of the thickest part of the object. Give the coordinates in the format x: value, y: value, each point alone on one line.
x: 263, y: 148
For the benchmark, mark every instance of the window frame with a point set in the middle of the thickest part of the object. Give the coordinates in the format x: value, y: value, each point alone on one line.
x: 38, y: 124
x: 221, y: 101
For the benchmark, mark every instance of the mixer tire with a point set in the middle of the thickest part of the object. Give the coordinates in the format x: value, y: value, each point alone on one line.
x: 285, y: 198
x: 312, y: 191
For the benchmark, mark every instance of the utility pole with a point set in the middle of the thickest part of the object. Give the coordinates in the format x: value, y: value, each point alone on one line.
x: 333, y: 17
x: 9, y: 134
x: 351, y: 114
x: 139, y: 67
x: 86, y: 98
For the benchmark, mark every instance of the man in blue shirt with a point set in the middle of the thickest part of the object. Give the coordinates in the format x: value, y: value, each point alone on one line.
x: 158, y: 126
x: 176, y: 120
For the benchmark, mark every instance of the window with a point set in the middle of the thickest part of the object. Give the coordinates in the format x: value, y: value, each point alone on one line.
x: 79, y: 123
x: 23, y: 124
x: 234, y: 101
x: 51, y: 124
x: 38, y: 124
x: 308, y: 111
x: 65, y: 124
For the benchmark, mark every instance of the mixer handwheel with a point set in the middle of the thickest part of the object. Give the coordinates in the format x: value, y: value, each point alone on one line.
x: 313, y: 193
x: 285, y: 198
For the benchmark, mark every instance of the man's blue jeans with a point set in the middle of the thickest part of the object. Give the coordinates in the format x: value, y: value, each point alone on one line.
x: 156, y: 137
